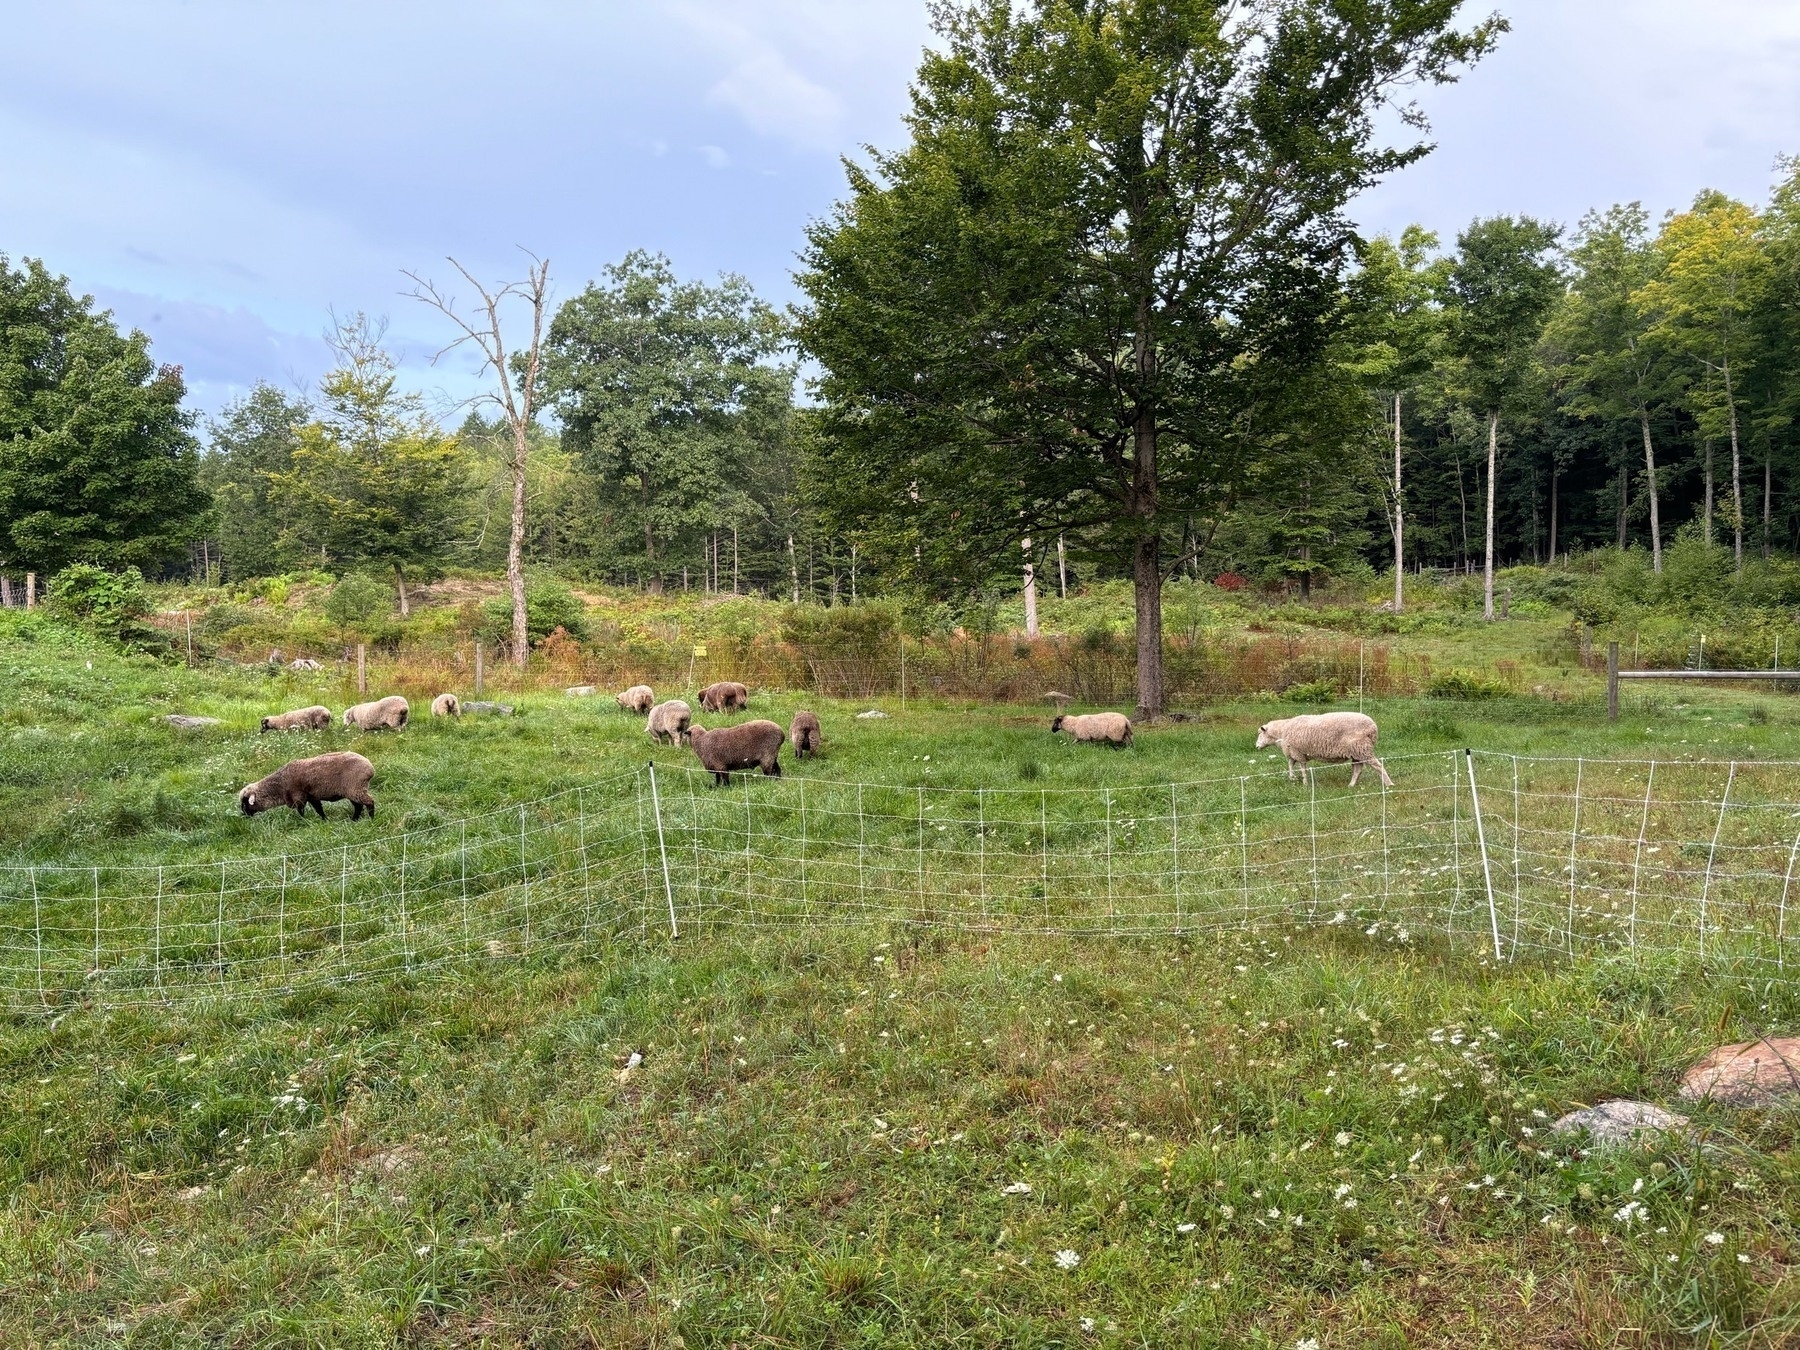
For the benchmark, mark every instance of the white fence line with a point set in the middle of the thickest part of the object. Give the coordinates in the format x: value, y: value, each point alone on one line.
x: 1584, y: 858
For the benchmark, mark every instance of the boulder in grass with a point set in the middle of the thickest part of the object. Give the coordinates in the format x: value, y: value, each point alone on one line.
x: 870, y: 715
x: 1621, y: 1124
x: 183, y: 722
x: 493, y: 709
x: 1764, y: 1072
x: 580, y: 691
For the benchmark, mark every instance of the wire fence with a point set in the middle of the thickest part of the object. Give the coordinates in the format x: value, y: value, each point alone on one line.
x: 1502, y: 857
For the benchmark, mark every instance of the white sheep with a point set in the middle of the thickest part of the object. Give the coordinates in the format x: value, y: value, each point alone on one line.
x: 1114, y: 728
x: 669, y: 721
x: 446, y: 705
x: 1331, y: 736
x: 384, y: 714
x: 637, y: 699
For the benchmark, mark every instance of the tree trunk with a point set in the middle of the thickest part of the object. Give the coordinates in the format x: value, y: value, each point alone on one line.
x: 853, y: 574
x: 1706, y: 509
x: 1768, y: 499
x: 1399, y: 520
x: 515, y: 553
x: 1650, y: 485
x: 1462, y: 498
x: 400, y: 583
x: 794, y: 568
x: 1146, y: 573
x: 1031, y: 622
x: 1062, y: 571
x: 1553, y: 477
x: 1487, y: 585
x: 1737, y: 486
x: 1624, y: 502
x: 734, y: 560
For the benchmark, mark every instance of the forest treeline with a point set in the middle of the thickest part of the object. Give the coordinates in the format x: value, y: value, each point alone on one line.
x: 1088, y: 341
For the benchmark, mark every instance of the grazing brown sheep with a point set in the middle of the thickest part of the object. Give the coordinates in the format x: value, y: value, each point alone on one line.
x: 446, y: 705
x: 1114, y: 728
x: 640, y: 698
x: 748, y: 745
x: 339, y: 776
x: 384, y: 714
x: 803, y: 731
x: 725, y: 696
x: 669, y: 722
x: 315, y: 718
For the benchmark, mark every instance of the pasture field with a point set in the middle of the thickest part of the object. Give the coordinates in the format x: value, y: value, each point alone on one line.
x: 882, y: 1132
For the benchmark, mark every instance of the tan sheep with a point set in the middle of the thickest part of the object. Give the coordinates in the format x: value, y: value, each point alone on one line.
x: 1332, y: 737
x: 669, y: 722
x: 1113, y: 728
x: 638, y: 699
x: 748, y: 745
x: 725, y: 696
x: 446, y: 705
x: 803, y: 731
x: 384, y: 714
x: 315, y: 718
x: 339, y: 776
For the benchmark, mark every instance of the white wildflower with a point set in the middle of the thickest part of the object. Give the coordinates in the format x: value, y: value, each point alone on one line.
x: 1715, y: 1239
x: 1066, y: 1259
x: 1017, y: 1188
x: 1342, y: 1139
x: 1186, y: 1227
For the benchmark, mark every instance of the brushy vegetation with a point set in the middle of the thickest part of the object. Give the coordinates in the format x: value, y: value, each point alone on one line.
x: 880, y: 1136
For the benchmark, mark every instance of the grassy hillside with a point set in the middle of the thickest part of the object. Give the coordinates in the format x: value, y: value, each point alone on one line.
x: 1253, y: 1137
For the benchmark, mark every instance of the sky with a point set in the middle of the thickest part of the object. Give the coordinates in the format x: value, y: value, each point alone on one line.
x: 227, y: 176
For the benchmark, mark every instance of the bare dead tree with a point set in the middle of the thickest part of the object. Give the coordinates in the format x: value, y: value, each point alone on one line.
x: 518, y: 406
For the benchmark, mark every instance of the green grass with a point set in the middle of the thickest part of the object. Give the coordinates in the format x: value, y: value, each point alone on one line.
x: 818, y: 1145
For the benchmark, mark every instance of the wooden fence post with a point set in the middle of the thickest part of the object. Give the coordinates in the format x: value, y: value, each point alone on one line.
x: 479, y: 671
x: 362, y: 669
x: 31, y: 590
x: 1612, y: 682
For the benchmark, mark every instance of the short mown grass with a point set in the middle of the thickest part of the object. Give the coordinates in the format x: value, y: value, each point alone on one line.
x: 882, y: 1135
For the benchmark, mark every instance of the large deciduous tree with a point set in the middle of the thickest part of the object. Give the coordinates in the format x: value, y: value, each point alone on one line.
x: 1393, y: 338
x: 1603, y: 332
x: 97, y: 460
x: 1068, y: 304
x: 374, y: 480
x: 1712, y: 268
x: 1498, y: 293
x: 250, y: 441
x: 668, y: 389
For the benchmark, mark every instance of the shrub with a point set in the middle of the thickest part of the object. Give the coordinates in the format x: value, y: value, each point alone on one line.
x: 1464, y: 684
x: 1311, y: 691
x: 112, y: 604
x: 358, y: 601
x: 1229, y: 581
x: 549, y: 605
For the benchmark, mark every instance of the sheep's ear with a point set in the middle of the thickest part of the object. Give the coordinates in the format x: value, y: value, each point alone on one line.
x: 250, y: 800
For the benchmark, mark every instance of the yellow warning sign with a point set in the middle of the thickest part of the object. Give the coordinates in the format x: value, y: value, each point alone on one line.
x: 700, y: 651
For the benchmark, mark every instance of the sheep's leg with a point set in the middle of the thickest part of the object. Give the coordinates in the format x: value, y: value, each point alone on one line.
x: 318, y: 806
x: 1356, y: 769
x: 773, y: 768
x: 1381, y: 769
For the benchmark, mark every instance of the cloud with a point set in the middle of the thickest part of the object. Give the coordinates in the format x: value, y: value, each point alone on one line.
x: 775, y: 99
x: 715, y: 156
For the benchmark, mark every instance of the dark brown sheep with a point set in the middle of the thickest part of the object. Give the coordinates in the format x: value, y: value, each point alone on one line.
x: 315, y: 718
x: 725, y: 696
x: 339, y: 776
x: 748, y: 745
x: 803, y: 731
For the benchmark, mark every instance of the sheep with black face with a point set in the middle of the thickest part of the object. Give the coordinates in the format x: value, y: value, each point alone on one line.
x: 339, y: 776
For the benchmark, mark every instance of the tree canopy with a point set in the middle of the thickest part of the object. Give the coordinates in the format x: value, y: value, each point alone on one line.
x: 1075, y: 300
x: 97, y: 460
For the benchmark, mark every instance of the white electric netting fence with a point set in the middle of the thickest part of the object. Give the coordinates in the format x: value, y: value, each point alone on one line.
x: 1502, y: 856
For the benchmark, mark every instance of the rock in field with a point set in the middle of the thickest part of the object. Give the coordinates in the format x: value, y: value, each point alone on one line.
x: 872, y: 713
x: 580, y: 691
x: 1755, y: 1073
x: 1621, y: 1124
x: 183, y: 722
x: 497, y: 709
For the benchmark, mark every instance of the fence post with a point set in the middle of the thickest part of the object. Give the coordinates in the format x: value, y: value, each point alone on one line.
x: 1312, y: 836
x: 524, y: 878
x: 1175, y: 850
x: 362, y: 670
x: 1487, y: 871
x: 1112, y: 921
x: 1713, y: 852
x: 37, y: 921
x: 97, y: 918
x: 1612, y: 682
x: 157, y: 957
x: 30, y: 590
x: 1244, y: 846
x: 1455, y: 848
x: 480, y: 668
x: 1637, y: 860
x: 663, y: 850
x: 981, y: 847
x: 1574, y: 837
x: 1518, y: 884
x: 1781, y: 907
